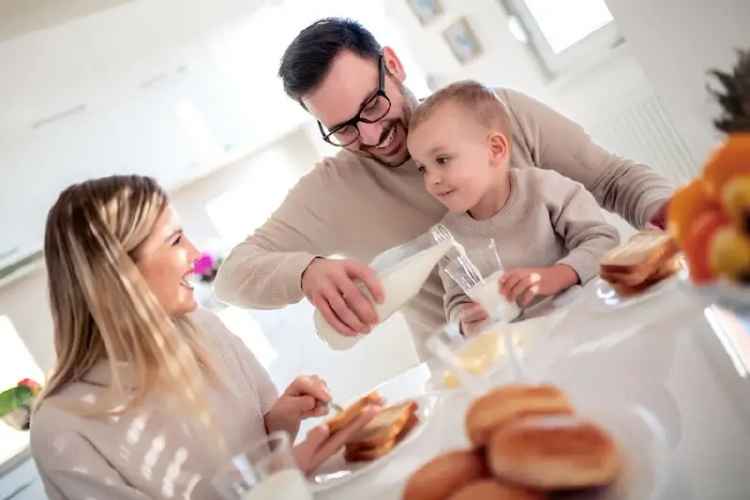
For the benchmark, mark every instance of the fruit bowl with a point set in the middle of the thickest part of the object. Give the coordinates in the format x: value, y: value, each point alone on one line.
x: 710, y: 216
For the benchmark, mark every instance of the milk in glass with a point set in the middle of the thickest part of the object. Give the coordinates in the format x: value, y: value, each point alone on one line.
x: 288, y: 484
x: 487, y: 294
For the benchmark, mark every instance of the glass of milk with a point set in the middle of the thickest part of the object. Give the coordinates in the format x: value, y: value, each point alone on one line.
x: 266, y: 470
x: 477, y: 271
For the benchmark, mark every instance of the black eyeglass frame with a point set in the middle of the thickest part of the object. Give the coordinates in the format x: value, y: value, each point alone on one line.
x: 358, y: 117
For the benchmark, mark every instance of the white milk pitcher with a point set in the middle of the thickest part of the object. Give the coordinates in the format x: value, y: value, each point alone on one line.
x: 402, y: 270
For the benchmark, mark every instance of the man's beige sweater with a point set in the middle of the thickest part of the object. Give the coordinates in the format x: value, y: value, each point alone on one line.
x: 356, y: 207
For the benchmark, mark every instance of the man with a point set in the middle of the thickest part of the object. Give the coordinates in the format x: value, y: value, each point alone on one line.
x: 370, y: 196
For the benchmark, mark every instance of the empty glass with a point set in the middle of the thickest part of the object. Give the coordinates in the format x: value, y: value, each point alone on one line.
x: 265, y: 471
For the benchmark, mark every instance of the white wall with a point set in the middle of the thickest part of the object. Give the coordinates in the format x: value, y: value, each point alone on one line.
x: 243, y: 195
x: 24, y: 301
x: 606, y: 96
x: 676, y: 42
x: 160, y: 94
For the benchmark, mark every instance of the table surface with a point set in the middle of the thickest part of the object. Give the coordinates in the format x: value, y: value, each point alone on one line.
x: 670, y: 362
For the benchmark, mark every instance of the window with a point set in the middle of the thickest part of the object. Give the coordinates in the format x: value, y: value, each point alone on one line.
x: 564, y: 34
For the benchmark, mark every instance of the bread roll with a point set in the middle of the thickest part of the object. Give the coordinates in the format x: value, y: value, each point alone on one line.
x: 445, y: 474
x: 492, y: 489
x: 501, y: 406
x: 553, y: 453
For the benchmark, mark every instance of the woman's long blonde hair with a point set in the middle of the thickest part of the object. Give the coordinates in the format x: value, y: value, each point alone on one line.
x: 102, y: 307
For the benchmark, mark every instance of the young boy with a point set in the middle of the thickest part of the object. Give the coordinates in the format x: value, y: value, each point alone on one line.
x: 549, y: 230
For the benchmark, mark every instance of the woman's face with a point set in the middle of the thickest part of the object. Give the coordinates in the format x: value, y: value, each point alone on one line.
x: 166, y: 259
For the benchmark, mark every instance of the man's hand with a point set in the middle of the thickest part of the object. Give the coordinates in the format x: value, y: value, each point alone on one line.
x: 329, y: 285
x: 523, y: 284
x: 471, y: 315
x: 319, y: 444
x: 306, y: 396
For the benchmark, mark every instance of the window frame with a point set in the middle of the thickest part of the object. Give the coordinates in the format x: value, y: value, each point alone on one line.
x: 596, y: 45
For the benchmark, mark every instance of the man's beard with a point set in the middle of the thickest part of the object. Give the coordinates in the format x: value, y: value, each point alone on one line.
x: 410, y: 102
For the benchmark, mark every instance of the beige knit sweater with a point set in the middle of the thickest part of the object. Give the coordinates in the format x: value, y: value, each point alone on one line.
x: 548, y: 219
x: 357, y: 207
x: 150, y: 452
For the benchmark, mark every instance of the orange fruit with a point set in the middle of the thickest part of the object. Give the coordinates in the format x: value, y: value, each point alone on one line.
x: 729, y: 254
x: 735, y: 196
x: 687, y: 203
x: 731, y: 159
x: 697, y: 244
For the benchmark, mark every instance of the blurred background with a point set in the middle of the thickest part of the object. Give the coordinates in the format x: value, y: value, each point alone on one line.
x: 186, y: 91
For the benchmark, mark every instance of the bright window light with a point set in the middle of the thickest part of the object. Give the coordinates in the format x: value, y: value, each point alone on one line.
x: 241, y: 323
x: 564, y: 24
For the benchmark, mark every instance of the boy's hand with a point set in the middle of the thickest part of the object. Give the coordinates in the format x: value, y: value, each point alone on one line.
x: 523, y: 284
x: 471, y: 315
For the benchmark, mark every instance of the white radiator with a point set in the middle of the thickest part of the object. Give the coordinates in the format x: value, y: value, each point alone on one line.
x: 643, y: 132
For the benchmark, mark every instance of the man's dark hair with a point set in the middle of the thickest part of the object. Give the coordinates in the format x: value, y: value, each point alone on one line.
x: 308, y: 58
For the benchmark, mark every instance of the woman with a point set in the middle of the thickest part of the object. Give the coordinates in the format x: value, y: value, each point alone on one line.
x: 149, y: 395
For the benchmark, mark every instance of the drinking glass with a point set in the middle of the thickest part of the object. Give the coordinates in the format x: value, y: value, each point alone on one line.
x: 264, y: 471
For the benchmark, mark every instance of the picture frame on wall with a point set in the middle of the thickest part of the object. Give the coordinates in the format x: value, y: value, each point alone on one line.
x: 425, y: 10
x: 463, y: 42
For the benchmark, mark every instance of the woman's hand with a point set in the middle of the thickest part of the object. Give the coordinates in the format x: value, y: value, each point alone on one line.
x: 319, y: 444
x: 306, y: 396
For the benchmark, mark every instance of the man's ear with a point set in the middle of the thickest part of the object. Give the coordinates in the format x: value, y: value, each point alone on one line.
x: 498, y: 146
x: 393, y: 64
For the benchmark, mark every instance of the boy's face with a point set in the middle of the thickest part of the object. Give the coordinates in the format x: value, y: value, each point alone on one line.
x: 452, y: 151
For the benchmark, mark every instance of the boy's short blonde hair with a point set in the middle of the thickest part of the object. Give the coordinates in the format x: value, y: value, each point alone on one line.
x: 480, y: 101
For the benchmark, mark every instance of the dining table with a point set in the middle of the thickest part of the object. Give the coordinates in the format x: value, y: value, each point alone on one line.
x: 665, y: 372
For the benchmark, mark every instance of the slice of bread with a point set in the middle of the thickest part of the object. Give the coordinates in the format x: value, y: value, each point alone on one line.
x: 666, y: 270
x: 350, y: 413
x: 386, y: 425
x: 354, y: 452
x: 641, y: 254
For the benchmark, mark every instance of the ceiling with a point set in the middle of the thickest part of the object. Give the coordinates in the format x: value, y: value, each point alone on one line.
x: 19, y: 17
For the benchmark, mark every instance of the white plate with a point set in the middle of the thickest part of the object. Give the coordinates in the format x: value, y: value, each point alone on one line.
x: 723, y: 292
x: 336, y: 470
x: 644, y: 452
x: 607, y: 297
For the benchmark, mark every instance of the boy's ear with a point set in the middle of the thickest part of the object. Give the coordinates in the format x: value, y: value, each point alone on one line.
x: 499, y: 147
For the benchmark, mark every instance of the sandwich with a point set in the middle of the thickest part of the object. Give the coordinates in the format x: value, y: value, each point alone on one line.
x: 389, y: 427
x: 646, y: 258
x: 346, y: 417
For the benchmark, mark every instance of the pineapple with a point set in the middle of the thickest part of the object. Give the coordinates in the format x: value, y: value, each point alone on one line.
x: 735, y: 99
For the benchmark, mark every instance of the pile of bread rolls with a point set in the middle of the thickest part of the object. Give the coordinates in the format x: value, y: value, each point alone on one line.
x: 527, y: 442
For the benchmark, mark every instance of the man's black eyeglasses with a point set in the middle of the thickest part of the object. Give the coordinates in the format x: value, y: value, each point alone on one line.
x: 371, y: 111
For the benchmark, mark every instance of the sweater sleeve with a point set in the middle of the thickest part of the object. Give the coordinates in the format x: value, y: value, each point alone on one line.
x: 73, y: 468
x: 265, y: 270
x: 634, y: 191
x: 453, y: 298
x: 578, y: 220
